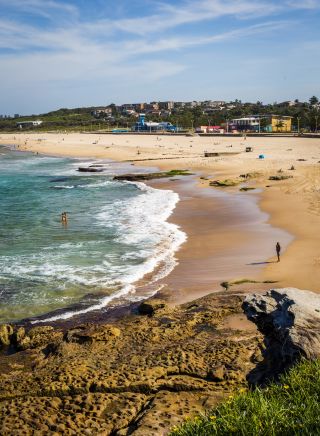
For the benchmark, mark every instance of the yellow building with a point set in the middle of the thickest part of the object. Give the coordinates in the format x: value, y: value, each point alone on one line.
x: 279, y: 123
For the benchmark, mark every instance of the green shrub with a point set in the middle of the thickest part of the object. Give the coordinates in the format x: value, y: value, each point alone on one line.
x: 289, y: 407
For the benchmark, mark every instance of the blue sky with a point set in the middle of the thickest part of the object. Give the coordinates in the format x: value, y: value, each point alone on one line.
x: 75, y: 53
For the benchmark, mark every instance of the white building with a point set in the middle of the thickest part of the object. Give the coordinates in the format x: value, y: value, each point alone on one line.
x: 31, y: 123
x: 246, y: 121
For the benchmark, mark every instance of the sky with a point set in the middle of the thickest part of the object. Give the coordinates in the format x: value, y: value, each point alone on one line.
x: 76, y: 53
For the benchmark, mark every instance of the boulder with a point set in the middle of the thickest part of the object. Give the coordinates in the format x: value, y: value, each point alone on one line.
x: 150, y: 307
x: 217, y: 373
x: 89, y: 333
x: 39, y: 336
x: 290, y: 320
x: 6, y: 331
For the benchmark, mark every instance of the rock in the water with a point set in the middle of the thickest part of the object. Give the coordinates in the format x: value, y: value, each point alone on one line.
x: 290, y: 320
x: 90, y: 169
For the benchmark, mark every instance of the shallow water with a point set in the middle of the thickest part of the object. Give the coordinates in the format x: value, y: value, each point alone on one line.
x: 116, y: 233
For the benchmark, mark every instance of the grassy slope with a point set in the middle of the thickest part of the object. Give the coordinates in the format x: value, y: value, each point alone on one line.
x: 290, y: 407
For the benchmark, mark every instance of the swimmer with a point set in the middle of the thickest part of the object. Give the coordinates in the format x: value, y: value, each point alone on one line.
x: 64, y: 218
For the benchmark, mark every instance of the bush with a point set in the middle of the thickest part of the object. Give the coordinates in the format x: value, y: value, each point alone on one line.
x: 289, y: 407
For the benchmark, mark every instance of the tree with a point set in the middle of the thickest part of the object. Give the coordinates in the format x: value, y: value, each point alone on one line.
x: 279, y: 125
x: 264, y: 122
x: 313, y: 100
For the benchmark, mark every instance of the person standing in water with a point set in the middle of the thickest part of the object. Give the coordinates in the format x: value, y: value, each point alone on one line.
x: 64, y: 218
x: 278, y: 249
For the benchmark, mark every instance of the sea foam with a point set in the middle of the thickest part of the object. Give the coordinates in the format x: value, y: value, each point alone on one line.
x: 140, y: 222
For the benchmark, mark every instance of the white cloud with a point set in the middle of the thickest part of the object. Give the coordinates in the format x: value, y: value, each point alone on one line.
x: 141, y: 46
x: 303, y: 4
x: 170, y: 16
x: 45, y: 8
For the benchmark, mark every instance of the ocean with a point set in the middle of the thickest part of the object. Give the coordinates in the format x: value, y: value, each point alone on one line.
x: 117, y: 233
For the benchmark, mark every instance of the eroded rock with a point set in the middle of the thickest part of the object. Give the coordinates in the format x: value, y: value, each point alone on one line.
x: 290, y: 320
x: 140, y: 375
x: 6, y: 331
x: 150, y: 307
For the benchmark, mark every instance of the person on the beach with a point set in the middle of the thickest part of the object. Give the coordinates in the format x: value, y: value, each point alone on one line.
x: 278, y: 249
x: 64, y: 218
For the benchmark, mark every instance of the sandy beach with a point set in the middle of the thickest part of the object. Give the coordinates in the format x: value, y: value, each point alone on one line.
x: 222, y: 244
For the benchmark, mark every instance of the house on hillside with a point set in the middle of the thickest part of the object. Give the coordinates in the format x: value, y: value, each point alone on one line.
x: 31, y: 123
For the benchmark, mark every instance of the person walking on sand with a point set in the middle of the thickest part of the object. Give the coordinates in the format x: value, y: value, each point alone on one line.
x: 278, y: 249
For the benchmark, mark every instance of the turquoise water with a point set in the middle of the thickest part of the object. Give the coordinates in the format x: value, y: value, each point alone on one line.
x: 116, y: 233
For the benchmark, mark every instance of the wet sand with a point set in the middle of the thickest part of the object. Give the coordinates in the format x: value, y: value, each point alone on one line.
x: 229, y: 239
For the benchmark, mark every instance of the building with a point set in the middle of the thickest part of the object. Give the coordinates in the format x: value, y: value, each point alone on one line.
x: 192, y: 104
x: 250, y: 123
x: 166, y: 105
x: 129, y: 112
x: 279, y: 123
x: 263, y: 123
x: 153, y: 106
x: 209, y: 129
x: 139, y: 106
x: 24, y: 124
x: 102, y: 112
x: 179, y: 104
x: 213, y: 104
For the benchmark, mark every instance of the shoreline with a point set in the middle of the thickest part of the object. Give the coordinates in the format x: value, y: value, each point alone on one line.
x: 227, y: 241
x: 270, y: 201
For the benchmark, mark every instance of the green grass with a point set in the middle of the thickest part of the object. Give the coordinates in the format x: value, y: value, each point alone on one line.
x: 178, y: 173
x: 284, y: 177
x: 288, y: 408
x: 224, y: 183
x: 227, y: 285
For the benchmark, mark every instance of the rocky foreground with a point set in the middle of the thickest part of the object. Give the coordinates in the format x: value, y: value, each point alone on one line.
x: 139, y: 376
x: 150, y: 370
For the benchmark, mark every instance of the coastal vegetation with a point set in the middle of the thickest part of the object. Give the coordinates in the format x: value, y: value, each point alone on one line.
x: 224, y: 183
x: 227, y: 285
x: 289, y: 406
x: 150, y: 176
x: 280, y: 177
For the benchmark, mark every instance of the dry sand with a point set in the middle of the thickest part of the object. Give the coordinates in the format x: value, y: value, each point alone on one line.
x: 215, y: 235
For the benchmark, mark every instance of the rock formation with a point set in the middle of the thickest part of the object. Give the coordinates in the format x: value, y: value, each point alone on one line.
x: 289, y: 318
x: 140, y: 376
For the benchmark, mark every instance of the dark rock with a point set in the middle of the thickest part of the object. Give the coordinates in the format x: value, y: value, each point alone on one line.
x: 282, y: 177
x: 90, y: 170
x: 18, y: 336
x: 150, y: 307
